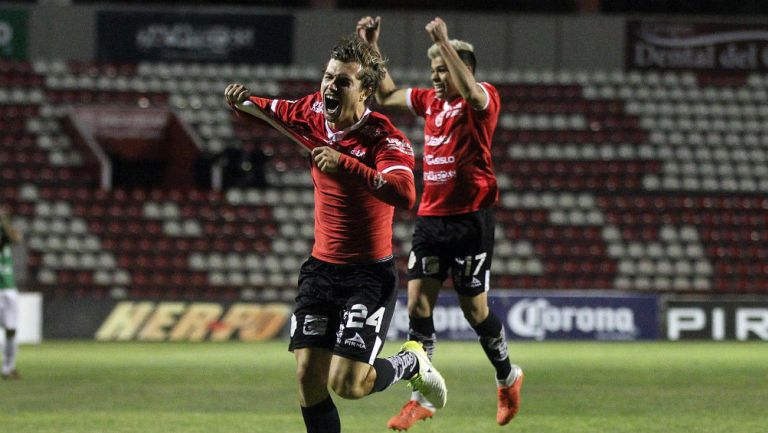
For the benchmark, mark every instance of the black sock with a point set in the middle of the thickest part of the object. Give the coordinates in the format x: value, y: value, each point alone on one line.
x: 491, y: 335
x: 404, y: 365
x: 422, y: 329
x: 322, y: 417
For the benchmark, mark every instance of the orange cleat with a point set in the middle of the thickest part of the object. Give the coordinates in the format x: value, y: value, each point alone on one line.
x: 409, y: 414
x: 509, y: 399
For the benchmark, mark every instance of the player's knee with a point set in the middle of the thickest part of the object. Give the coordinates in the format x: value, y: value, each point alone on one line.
x: 418, y: 309
x: 345, y: 386
x: 308, y: 378
x: 475, y: 315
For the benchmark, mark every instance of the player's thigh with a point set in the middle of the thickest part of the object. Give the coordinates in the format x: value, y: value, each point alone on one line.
x: 312, y: 364
x: 316, y: 315
x: 422, y: 296
x: 429, y: 257
x: 371, y: 294
x: 473, y: 252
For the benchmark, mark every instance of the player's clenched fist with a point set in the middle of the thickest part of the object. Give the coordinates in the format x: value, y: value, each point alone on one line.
x: 437, y: 30
x: 236, y: 93
x: 326, y: 159
x: 368, y: 29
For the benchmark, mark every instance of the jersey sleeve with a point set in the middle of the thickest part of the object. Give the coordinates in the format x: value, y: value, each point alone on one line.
x: 493, y: 105
x: 292, y: 115
x: 284, y: 110
x: 417, y: 100
x: 395, y: 153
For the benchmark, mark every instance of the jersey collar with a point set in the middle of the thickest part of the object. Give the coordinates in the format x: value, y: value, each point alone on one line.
x: 337, y: 136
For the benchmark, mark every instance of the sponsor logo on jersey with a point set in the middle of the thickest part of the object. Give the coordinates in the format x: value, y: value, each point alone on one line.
x: 439, y: 176
x: 355, y: 341
x: 399, y: 145
x: 436, y: 140
x: 439, y: 160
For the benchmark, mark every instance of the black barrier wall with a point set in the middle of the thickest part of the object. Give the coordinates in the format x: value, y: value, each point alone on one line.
x: 130, y: 36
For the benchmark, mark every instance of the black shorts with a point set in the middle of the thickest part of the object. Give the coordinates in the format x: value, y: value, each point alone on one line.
x: 344, y: 308
x: 462, y: 244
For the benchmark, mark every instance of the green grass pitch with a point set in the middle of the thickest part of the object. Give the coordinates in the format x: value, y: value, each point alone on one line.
x: 79, y: 387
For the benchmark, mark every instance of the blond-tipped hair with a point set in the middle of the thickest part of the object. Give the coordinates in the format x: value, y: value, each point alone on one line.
x: 434, y: 50
x: 465, y: 50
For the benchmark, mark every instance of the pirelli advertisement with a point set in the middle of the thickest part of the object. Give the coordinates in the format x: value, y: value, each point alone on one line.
x: 717, y: 320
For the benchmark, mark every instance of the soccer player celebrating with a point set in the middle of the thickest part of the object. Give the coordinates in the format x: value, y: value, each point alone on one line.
x: 9, y: 296
x: 361, y: 168
x: 455, y: 223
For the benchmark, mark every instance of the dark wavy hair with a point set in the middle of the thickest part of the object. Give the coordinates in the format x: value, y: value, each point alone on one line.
x: 353, y: 49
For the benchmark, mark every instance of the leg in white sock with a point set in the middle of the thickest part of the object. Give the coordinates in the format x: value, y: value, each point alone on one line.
x: 9, y: 352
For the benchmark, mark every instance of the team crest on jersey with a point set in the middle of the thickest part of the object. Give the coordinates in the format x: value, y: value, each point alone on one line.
x: 399, y: 145
x: 317, y: 107
x: 372, y: 131
x: 450, y: 111
x: 358, y: 152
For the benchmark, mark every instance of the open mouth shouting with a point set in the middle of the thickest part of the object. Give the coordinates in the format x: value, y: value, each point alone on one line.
x: 332, y: 106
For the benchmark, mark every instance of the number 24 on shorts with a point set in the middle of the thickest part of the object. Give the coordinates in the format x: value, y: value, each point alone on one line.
x: 358, y: 316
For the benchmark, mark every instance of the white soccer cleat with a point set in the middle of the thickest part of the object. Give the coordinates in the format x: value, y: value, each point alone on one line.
x: 428, y: 381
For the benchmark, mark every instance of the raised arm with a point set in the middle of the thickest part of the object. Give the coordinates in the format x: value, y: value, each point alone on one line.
x: 388, y: 94
x: 463, y: 78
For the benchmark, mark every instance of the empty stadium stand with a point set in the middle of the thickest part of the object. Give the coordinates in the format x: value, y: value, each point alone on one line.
x: 627, y: 181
